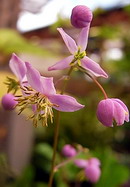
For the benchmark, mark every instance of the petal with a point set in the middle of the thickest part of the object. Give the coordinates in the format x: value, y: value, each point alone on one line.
x: 94, y: 161
x: 125, y: 108
x: 17, y: 66
x: 105, y: 112
x: 48, y: 86
x: 119, y: 113
x: 93, y: 67
x: 70, y: 43
x: 65, y: 103
x: 63, y: 64
x: 83, y: 38
x: 93, y: 173
x: 81, y: 163
x: 33, y: 77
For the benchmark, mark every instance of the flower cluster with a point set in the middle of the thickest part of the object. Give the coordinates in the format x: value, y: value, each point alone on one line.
x: 39, y: 93
x: 91, y: 166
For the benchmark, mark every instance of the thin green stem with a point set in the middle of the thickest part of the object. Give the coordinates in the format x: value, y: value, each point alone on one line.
x: 57, y: 131
x: 54, y: 148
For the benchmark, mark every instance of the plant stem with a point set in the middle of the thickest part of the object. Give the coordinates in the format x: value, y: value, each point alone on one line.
x: 57, y: 132
x: 95, y: 80
x: 54, y: 148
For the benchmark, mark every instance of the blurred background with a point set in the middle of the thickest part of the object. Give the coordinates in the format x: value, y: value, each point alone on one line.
x: 28, y: 28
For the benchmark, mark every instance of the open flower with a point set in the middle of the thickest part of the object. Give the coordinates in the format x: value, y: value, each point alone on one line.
x: 78, y: 54
x: 112, y: 109
x: 42, y: 94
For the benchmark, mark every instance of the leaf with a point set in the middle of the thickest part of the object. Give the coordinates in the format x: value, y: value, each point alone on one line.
x: 113, y: 173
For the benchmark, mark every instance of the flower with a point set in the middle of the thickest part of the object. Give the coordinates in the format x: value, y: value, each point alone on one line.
x: 112, y: 109
x: 69, y: 151
x: 43, y: 95
x: 92, y: 170
x: 81, y: 16
x: 8, y: 101
x: 78, y: 54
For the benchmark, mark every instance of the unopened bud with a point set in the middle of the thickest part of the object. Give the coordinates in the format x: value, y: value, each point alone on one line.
x: 81, y: 16
x: 8, y: 101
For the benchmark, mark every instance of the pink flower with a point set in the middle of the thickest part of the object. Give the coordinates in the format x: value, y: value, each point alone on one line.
x: 78, y: 54
x: 112, y: 109
x: 69, y: 151
x: 81, y: 16
x: 45, y: 86
x: 92, y: 171
x: 8, y: 101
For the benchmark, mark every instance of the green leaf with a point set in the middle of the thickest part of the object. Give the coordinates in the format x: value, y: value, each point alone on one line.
x: 113, y: 173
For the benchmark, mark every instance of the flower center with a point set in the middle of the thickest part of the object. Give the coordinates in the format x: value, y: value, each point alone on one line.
x: 78, y: 56
x: 42, y: 107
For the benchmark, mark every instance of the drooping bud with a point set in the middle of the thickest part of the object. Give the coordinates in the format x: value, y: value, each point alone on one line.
x: 8, y: 101
x: 112, y: 109
x: 69, y: 151
x: 81, y: 16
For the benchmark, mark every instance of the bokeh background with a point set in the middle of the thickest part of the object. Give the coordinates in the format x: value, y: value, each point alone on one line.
x: 28, y: 28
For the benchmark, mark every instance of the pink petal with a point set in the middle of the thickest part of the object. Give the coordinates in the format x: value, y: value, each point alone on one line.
x: 83, y: 38
x: 94, y: 161
x: 93, y: 173
x: 125, y: 108
x: 17, y: 66
x: 81, y: 163
x: 119, y: 113
x: 70, y: 43
x: 48, y: 86
x: 63, y: 64
x: 105, y: 112
x: 33, y: 77
x: 93, y: 67
x: 65, y: 103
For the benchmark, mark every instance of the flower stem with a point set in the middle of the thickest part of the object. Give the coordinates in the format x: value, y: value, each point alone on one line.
x: 56, y: 133
x: 54, y: 148
x: 95, y: 80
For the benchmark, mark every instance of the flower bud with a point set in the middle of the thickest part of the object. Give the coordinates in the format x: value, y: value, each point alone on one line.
x: 112, y: 109
x: 8, y: 101
x: 69, y: 151
x: 81, y: 16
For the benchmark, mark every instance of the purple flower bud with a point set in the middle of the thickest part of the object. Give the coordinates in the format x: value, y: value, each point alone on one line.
x: 8, y: 101
x: 81, y: 163
x: 81, y: 16
x: 112, y: 109
x: 92, y: 172
x: 69, y: 151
